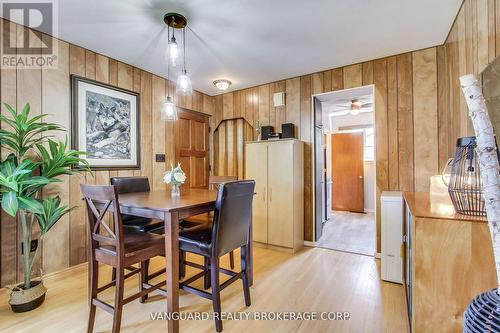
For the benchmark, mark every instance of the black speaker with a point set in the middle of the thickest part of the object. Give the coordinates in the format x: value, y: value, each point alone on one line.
x: 265, y: 132
x: 287, y: 131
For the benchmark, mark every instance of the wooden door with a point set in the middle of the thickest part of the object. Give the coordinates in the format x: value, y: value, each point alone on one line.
x: 192, y: 148
x: 281, y: 191
x: 256, y: 169
x: 347, y: 172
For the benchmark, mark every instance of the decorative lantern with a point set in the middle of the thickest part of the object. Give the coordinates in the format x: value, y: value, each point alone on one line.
x: 465, y: 185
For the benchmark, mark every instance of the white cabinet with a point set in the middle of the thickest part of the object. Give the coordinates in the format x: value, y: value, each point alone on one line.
x: 392, y: 236
x: 278, y: 210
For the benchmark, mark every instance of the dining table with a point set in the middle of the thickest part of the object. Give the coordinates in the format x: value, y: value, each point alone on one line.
x: 160, y: 204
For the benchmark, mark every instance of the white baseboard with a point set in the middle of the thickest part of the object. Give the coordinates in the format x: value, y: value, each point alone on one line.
x: 309, y: 244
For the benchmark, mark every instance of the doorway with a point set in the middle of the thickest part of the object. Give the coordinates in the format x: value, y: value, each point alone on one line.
x: 345, y: 170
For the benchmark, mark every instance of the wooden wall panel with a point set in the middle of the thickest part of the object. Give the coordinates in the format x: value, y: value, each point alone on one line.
x: 8, y: 227
x: 405, y: 122
x: 337, y: 79
x: 158, y: 130
x: 227, y: 106
x: 381, y: 148
x: 263, y: 105
x: 392, y: 124
x: 425, y: 122
x: 78, y: 228
x: 56, y: 84
x: 293, y: 103
x: 353, y: 76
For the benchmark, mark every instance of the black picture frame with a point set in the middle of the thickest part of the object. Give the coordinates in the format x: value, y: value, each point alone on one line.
x: 75, y: 135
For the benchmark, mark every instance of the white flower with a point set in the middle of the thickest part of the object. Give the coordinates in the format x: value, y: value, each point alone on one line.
x: 167, y: 178
x: 180, y: 177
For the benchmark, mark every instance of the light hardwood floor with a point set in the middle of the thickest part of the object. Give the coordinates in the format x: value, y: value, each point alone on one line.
x: 350, y: 232
x: 312, y: 280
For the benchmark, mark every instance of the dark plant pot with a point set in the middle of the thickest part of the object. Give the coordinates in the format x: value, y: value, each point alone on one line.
x: 483, y: 313
x: 23, y: 300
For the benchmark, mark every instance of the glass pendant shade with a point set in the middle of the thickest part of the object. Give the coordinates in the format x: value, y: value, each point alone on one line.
x: 184, y: 86
x: 173, y: 52
x: 169, y: 112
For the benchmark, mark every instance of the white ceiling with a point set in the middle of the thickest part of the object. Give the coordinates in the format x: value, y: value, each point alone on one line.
x: 329, y: 105
x: 252, y: 42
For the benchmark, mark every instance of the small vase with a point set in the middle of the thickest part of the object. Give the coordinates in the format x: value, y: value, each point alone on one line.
x: 176, y: 191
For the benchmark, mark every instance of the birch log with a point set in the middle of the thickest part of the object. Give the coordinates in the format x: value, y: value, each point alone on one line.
x: 488, y: 160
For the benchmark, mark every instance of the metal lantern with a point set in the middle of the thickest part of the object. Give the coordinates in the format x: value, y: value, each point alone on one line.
x: 465, y: 185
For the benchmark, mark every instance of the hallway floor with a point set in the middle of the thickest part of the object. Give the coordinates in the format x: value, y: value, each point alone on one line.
x: 350, y: 232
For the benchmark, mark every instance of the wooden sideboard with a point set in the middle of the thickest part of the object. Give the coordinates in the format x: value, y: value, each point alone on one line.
x: 448, y: 261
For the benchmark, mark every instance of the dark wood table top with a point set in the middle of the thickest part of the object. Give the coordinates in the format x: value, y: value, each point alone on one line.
x: 161, y: 201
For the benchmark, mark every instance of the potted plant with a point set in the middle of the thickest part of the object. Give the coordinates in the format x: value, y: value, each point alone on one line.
x: 34, y: 161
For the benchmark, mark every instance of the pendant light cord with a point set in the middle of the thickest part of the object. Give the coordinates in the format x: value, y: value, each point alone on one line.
x: 184, y: 48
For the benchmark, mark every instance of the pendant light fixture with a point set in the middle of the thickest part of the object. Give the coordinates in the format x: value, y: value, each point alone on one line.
x: 174, y: 21
x: 184, y: 86
x: 169, y: 112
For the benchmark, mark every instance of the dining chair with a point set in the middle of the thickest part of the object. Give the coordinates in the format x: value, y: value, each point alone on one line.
x: 135, y: 185
x: 119, y: 247
x: 229, y: 230
x: 213, y: 183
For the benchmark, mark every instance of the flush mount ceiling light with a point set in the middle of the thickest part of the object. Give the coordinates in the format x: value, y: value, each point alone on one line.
x: 222, y: 84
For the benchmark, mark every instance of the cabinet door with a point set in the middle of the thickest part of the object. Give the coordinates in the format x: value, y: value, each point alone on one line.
x: 280, y: 180
x: 256, y: 169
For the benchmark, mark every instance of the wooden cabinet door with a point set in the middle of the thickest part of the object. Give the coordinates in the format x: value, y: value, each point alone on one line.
x: 191, y: 147
x: 256, y: 169
x: 347, y: 172
x: 280, y: 181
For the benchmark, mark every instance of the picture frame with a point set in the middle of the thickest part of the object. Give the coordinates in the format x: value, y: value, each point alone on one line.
x: 105, y: 124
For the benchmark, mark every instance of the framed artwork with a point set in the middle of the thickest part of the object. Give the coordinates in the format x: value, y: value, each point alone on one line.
x: 105, y: 124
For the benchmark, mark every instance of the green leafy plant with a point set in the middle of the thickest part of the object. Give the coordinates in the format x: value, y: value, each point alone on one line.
x: 35, y: 161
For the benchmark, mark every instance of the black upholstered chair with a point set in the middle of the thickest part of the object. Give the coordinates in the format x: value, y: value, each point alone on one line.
x: 135, y: 185
x: 230, y: 230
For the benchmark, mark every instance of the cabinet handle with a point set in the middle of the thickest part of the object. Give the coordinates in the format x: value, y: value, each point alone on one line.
x: 264, y: 194
x: 270, y: 194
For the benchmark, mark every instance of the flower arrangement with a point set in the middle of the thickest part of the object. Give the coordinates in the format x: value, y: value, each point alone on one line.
x: 176, y: 177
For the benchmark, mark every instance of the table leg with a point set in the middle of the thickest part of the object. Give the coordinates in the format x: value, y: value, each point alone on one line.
x: 172, y: 265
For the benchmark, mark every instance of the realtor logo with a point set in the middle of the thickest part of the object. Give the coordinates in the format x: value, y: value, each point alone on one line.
x: 28, y: 43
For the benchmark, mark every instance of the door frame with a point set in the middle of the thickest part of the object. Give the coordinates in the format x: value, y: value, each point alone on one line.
x: 314, y: 113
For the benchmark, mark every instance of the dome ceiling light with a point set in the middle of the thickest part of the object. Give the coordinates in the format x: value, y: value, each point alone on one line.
x: 222, y: 84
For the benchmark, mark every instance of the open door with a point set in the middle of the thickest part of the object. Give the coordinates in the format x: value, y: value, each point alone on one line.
x: 347, y: 172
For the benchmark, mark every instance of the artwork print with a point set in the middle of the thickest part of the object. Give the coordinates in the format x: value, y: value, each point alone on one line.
x: 105, y: 124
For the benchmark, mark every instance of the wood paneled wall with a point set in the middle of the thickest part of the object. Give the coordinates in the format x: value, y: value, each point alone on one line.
x: 419, y: 107
x: 229, y: 138
x: 48, y: 91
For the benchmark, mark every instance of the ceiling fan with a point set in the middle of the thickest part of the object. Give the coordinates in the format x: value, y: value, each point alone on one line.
x: 353, y: 106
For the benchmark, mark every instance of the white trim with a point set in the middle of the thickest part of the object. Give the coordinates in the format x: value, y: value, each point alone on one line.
x: 309, y: 244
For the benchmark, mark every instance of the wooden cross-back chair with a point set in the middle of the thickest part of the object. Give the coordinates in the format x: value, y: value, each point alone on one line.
x: 120, y: 248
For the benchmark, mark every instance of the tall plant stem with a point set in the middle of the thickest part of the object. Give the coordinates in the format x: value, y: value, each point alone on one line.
x: 26, y: 249
x: 489, y: 165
